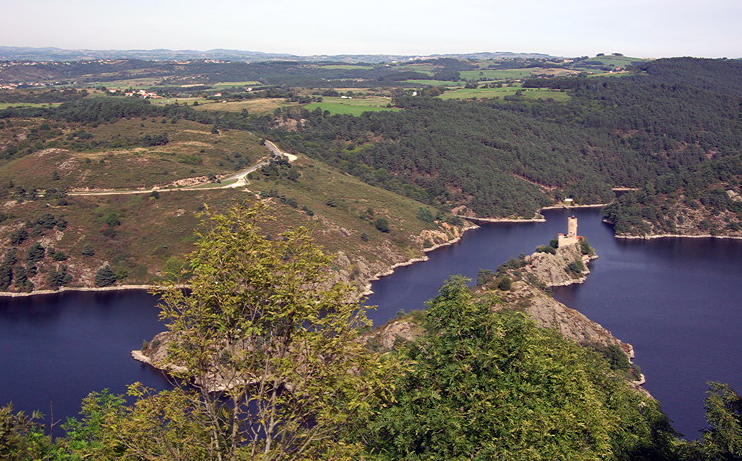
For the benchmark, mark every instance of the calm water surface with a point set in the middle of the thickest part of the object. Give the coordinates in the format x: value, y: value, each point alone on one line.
x: 55, y: 349
x: 678, y: 301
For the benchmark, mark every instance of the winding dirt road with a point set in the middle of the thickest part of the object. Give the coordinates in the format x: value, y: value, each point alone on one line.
x: 238, y: 179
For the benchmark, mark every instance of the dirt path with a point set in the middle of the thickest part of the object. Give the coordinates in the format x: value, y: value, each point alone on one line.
x: 238, y: 179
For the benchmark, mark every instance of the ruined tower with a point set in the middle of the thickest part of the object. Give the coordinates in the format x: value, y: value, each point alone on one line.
x: 571, y: 237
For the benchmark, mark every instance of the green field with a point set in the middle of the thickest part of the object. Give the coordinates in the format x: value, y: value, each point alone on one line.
x: 499, y: 93
x: 435, y: 83
x: 355, y: 106
x: 616, y: 61
x: 234, y: 84
x: 5, y: 105
x: 345, y: 67
x: 337, y: 108
x: 428, y: 69
x: 496, y: 74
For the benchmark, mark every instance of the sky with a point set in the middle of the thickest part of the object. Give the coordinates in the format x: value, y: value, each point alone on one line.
x: 641, y: 28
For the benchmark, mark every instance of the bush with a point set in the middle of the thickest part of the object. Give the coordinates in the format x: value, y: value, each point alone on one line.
x: 35, y: 253
x: 546, y: 249
x: 105, y: 277
x: 382, y: 225
x: 505, y: 284
x: 484, y: 276
x: 18, y: 237
x: 425, y: 215
x: 585, y: 247
x: 576, y: 267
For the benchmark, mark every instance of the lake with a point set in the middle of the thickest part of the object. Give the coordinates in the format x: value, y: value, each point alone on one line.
x: 678, y: 301
x: 58, y: 348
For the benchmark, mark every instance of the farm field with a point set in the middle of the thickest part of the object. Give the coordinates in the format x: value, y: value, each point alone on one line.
x: 499, y: 93
x: 355, y: 106
x: 5, y: 105
x: 435, y: 82
x: 616, y: 61
x: 234, y: 84
x: 496, y: 74
x: 345, y: 67
x: 254, y: 106
x: 422, y: 68
x: 135, y: 83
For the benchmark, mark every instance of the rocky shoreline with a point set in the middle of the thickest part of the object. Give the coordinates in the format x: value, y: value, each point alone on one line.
x: 367, y: 289
x: 661, y: 236
x: 13, y: 294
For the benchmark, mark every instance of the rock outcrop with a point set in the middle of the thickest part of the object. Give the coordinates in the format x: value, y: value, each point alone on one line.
x: 553, y: 270
x: 567, y: 265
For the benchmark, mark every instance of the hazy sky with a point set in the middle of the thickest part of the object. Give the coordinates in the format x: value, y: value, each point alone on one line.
x: 644, y: 28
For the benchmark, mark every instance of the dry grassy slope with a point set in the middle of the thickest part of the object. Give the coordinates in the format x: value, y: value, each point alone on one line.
x: 157, y: 232
x: 192, y: 151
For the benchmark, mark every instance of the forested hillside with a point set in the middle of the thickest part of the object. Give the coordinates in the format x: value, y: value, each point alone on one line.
x: 489, y: 157
x: 510, y: 157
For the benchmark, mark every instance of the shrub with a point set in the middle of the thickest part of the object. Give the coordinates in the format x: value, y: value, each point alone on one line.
x: 35, y: 253
x: 576, y: 267
x: 382, y: 225
x: 505, y: 284
x: 484, y: 276
x: 18, y: 237
x: 87, y: 250
x: 546, y: 249
x: 105, y: 277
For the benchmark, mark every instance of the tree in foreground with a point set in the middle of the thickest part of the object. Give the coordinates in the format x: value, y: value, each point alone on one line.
x: 491, y: 386
x: 722, y: 439
x: 269, y: 342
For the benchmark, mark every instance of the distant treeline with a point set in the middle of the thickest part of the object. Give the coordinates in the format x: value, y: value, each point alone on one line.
x: 43, y: 97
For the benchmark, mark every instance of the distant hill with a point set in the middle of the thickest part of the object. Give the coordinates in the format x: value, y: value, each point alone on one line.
x: 17, y: 53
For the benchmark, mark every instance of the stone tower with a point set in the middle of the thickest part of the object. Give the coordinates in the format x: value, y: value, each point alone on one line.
x: 571, y: 237
x: 572, y: 226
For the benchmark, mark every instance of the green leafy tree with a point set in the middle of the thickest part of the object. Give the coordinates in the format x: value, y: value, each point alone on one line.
x: 21, y: 436
x: 105, y: 276
x: 35, y: 253
x: 263, y: 324
x: 491, y: 386
x: 59, y: 277
x: 723, y: 438
x: 382, y: 225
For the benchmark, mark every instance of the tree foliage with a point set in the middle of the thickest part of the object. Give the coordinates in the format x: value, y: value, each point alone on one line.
x: 496, y: 386
x: 263, y: 324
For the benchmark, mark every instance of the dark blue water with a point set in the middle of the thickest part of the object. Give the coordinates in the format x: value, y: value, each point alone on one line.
x: 678, y: 301
x: 55, y: 349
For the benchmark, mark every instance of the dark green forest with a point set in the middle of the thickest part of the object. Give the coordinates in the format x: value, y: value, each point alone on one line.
x: 503, y: 158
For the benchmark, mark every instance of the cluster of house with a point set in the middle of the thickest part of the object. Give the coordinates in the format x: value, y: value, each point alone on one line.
x: 138, y: 94
x: 13, y: 86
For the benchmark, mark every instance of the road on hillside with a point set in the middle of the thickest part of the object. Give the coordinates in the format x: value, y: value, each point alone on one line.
x: 239, y: 179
